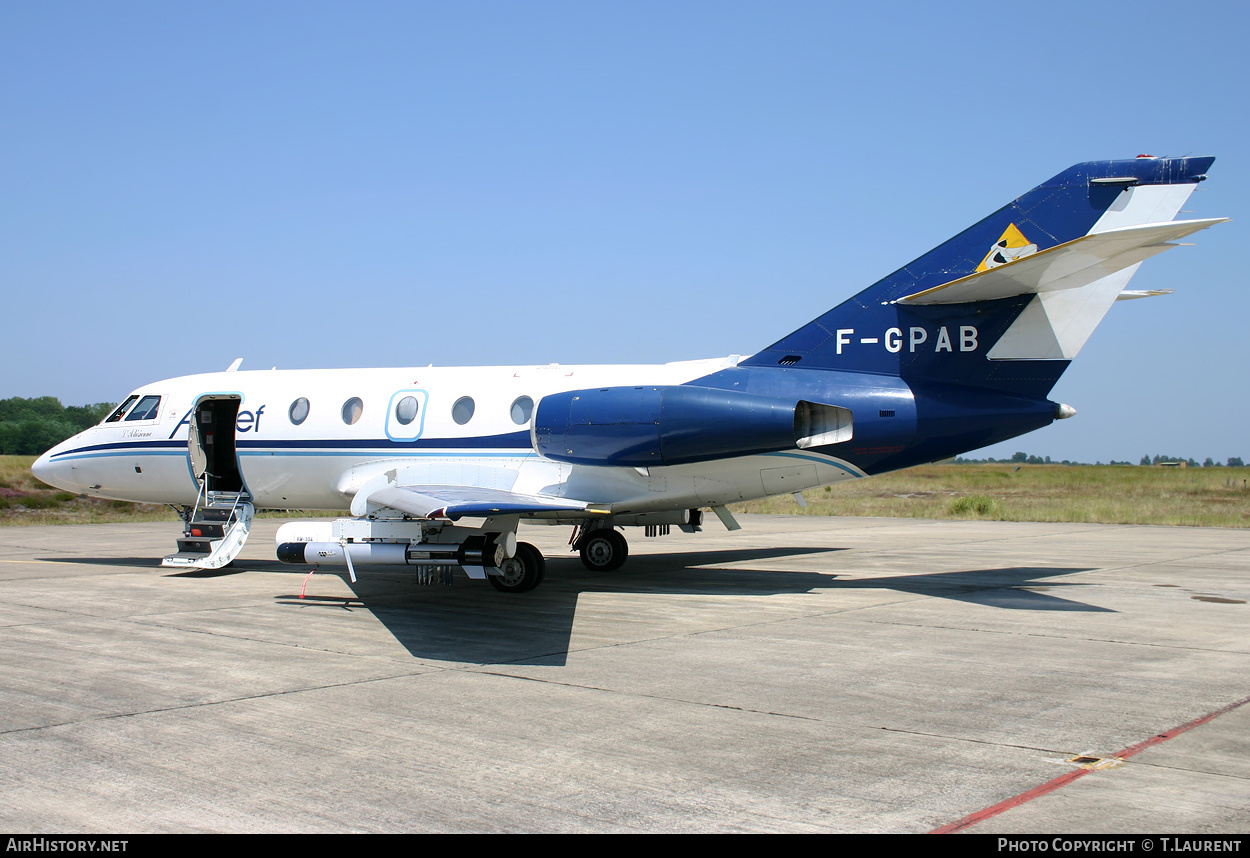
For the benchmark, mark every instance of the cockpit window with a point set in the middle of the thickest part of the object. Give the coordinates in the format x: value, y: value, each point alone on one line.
x: 147, y: 409
x: 121, y: 409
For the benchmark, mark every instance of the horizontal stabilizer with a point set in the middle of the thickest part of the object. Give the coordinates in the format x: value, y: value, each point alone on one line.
x: 453, y: 502
x: 1071, y: 265
x: 1130, y: 294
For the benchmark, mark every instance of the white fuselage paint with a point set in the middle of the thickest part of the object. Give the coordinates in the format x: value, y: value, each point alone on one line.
x: 322, y: 462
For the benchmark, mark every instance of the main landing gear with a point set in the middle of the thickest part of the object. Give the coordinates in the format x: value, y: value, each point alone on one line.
x: 519, y: 573
x: 603, y: 547
x: 603, y: 550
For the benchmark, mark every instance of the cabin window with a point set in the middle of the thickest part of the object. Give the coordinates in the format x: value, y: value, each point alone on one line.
x: 521, y: 410
x: 147, y: 409
x: 298, y: 411
x: 121, y: 409
x: 406, y: 410
x: 352, y: 409
x: 462, y: 411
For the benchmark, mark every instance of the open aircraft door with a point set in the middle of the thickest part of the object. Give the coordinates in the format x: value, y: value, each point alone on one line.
x: 215, y: 529
x: 211, y: 444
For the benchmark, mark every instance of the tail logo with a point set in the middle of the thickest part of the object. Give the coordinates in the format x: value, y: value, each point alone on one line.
x: 1012, y: 245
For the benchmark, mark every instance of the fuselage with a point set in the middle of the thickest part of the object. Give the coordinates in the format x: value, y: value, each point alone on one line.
x: 308, y: 439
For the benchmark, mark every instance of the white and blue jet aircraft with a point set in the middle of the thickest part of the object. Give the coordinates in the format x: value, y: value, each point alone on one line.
x: 439, y: 466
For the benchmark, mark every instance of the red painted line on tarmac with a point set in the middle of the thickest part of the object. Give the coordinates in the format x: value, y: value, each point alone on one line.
x: 1063, y: 780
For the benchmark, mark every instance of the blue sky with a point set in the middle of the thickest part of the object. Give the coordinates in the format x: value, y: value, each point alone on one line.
x: 307, y: 184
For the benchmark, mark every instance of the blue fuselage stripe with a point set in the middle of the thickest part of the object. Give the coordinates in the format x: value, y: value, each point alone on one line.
x: 516, y: 441
x: 820, y: 460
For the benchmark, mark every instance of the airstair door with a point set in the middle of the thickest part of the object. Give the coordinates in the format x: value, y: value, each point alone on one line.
x: 215, y: 530
x: 214, y: 460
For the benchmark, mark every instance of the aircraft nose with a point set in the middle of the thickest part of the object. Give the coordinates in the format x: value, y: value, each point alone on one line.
x: 42, y: 468
x: 55, y: 474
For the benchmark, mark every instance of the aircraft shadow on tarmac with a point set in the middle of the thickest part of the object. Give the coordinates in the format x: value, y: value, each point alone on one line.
x: 150, y: 562
x: 475, y: 624
x: 472, y: 623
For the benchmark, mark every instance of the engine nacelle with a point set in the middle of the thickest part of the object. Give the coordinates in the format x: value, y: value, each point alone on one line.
x: 679, y: 424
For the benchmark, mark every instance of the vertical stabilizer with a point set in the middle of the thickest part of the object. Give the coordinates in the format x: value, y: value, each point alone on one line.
x: 1033, y: 282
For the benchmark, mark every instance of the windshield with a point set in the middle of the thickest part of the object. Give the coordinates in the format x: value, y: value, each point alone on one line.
x: 121, y: 409
x: 146, y: 409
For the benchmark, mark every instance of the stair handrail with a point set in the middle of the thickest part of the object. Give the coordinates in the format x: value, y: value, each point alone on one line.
x: 201, y: 492
x: 237, y: 495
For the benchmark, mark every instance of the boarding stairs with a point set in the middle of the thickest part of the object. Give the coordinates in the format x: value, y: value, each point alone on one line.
x: 214, y: 531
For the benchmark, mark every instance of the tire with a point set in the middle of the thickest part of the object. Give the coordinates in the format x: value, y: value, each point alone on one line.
x: 520, y: 573
x: 604, y: 550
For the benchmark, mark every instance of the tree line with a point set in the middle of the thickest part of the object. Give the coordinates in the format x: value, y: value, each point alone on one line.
x: 29, y: 427
x: 1026, y: 459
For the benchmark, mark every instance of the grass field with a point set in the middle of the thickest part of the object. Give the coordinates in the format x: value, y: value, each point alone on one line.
x: 1107, y: 494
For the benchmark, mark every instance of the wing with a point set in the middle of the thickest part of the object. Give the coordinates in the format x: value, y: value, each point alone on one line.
x: 1065, y: 266
x: 453, y: 502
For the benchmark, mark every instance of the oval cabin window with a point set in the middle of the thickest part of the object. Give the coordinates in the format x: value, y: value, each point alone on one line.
x: 462, y: 411
x: 521, y: 410
x: 352, y: 409
x: 406, y: 410
x: 298, y: 411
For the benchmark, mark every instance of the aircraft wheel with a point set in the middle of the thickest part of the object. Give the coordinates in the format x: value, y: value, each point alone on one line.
x: 520, y: 573
x: 604, y: 550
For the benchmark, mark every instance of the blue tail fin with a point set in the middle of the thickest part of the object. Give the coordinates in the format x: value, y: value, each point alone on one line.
x: 1006, y: 304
